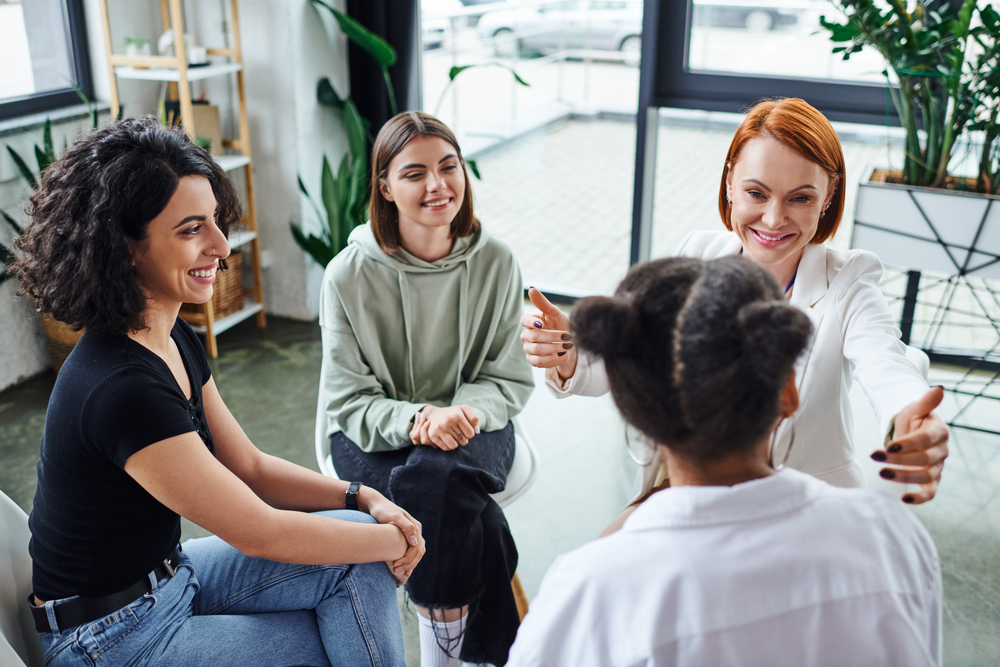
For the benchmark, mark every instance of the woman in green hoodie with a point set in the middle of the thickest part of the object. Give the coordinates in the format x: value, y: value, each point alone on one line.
x: 422, y: 372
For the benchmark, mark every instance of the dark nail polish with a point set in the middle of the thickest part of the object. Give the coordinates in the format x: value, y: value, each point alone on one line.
x: 878, y: 456
x: 567, y: 337
x: 567, y: 346
x: 940, y: 386
x: 907, y: 499
x: 538, y: 325
x: 887, y: 474
x: 560, y: 354
x: 892, y: 449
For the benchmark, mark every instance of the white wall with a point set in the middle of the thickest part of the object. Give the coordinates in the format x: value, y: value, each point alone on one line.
x: 288, y: 45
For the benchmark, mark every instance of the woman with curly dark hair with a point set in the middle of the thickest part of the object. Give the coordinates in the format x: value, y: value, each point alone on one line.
x: 131, y: 222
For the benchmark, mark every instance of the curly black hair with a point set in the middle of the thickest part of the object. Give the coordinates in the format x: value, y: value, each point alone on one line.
x: 94, y: 203
x: 696, y: 352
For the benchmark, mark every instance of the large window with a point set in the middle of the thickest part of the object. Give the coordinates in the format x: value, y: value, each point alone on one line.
x: 43, y: 55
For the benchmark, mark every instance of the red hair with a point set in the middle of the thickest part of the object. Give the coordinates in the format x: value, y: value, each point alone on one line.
x: 796, y: 124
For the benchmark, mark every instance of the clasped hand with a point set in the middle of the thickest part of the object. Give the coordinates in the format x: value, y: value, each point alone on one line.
x: 444, y: 428
x: 386, y: 512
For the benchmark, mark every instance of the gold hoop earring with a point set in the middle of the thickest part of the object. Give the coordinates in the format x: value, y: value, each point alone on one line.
x: 631, y: 454
x: 774, y: 441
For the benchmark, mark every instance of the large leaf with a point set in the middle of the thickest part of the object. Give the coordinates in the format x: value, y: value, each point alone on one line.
x: 47, y: 147
x: 327, y: 95
x: 22, y: 167
x: 317, y: 249
x: 356, y: 132
x: 331, y: 202
x: 474, y: 168
x: 378, y: 48
x: 312, y: 202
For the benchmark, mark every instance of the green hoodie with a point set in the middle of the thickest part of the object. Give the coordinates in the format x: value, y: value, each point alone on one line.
x: 400, y: 333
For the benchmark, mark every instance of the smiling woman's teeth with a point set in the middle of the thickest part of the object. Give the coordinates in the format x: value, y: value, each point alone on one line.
x: 206, y: 273
x: 435, y: 204
x: 770, y: 238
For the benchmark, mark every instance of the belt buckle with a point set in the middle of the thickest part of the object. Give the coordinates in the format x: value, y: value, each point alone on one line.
x: 170, y: 569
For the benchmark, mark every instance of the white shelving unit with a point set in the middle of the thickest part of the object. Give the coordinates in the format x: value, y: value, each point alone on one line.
x: 175, y: 71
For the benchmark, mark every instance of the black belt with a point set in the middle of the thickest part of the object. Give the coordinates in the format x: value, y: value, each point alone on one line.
x: 82, y: 610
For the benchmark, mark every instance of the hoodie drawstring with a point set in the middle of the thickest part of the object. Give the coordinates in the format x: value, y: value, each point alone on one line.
x: 404, y: 293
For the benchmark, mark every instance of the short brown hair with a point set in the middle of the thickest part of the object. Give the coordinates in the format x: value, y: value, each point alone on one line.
x: 796, y: 124
x: 392, y: 139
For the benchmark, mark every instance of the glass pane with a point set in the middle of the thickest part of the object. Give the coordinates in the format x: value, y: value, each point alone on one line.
x: 556, y: 155
x: 34, y: 48
x: 773, y: 38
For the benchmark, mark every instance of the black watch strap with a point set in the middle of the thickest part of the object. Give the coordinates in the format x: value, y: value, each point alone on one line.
x: 351, y: 499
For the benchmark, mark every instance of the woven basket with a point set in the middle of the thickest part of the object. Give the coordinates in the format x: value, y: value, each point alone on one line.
x: 62, y: 340
x: 228, y: 295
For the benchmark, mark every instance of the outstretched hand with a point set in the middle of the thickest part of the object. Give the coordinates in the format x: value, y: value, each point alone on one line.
x: 547, y: 338
x: 920, y: 444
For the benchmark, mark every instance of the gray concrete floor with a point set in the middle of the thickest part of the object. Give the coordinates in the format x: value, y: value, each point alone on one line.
x: 269, y: 380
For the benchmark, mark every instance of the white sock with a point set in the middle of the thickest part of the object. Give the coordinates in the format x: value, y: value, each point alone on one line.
x: 434, y: 635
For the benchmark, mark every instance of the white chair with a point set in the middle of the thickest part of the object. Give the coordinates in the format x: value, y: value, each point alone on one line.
x: 520, y: 478
x: 19, y: 645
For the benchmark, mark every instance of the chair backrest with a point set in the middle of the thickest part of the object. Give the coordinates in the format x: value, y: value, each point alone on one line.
x: 19, y: 643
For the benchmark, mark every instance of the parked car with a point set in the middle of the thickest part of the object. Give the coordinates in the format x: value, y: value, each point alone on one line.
x: 753, y: 15
x: 437, y: 22
x: 547, y: 27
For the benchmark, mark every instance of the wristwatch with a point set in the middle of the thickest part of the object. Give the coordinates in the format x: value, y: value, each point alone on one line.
x: 351, y: 498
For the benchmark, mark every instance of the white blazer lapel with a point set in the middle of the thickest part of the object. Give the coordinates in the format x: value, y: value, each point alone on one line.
x: 811, y: 285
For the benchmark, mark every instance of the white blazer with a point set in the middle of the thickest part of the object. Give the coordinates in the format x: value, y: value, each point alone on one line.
x: 854, y: 338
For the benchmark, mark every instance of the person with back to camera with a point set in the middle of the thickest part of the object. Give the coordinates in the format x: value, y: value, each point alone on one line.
x: 421, y: 375
x: 128, y: 224
x: 781, y: 197
x: 741, y: 561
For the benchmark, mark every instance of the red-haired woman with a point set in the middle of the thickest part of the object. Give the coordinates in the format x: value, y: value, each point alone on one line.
x: 421, y: 376
x: 781, y: 197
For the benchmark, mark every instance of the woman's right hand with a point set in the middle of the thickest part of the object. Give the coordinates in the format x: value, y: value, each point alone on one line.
x: 547, y: 338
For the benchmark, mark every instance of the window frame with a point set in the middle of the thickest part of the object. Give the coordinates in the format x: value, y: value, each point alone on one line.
x: 76, y: 30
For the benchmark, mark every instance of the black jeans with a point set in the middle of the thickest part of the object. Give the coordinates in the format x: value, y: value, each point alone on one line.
x: 471, y: 557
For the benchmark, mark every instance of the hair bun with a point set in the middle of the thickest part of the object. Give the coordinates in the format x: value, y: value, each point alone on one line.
x: 605, y: 326
x: 774, y: 335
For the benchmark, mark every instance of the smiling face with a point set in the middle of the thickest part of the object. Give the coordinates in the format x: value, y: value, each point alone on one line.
x: 777, y: 197
x: 178, y: 259
x: 427, y: 183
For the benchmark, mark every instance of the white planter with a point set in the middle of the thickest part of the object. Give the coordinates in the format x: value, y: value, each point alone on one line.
x: 923, y: 229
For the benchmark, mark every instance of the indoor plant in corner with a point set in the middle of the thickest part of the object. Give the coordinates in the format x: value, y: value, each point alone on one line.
x: 62, y: 338
x: 945, y: 56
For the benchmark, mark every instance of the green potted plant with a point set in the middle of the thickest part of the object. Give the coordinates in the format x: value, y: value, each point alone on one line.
x: 945, y: 58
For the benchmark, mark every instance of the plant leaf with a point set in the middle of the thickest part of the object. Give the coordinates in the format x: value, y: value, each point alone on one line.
x: 328, y: 187
x: 378, y: 48
x: 356, y: 132
x: 474, y: 168
x: 50, y: 151
x: 458, y: 69
x: 316, y: 248
x: 327, y: 95
x: 22, y: 166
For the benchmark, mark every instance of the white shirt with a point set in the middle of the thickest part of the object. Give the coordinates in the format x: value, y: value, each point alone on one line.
x: 785, y: 570
x: 854, y: 339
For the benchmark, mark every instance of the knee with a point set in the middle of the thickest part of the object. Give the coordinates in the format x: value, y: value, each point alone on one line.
x: 353, y: 516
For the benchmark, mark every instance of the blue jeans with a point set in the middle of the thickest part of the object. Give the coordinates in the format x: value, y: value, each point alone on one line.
x: 224, y: 608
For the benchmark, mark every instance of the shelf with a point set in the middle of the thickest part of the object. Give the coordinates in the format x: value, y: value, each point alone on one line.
x: 231, y: 162
x: 240, y: 237
x: 250, y: 308
x: 169, y: 74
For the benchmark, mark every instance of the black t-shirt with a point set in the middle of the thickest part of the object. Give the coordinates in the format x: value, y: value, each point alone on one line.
x: 95, y: 530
